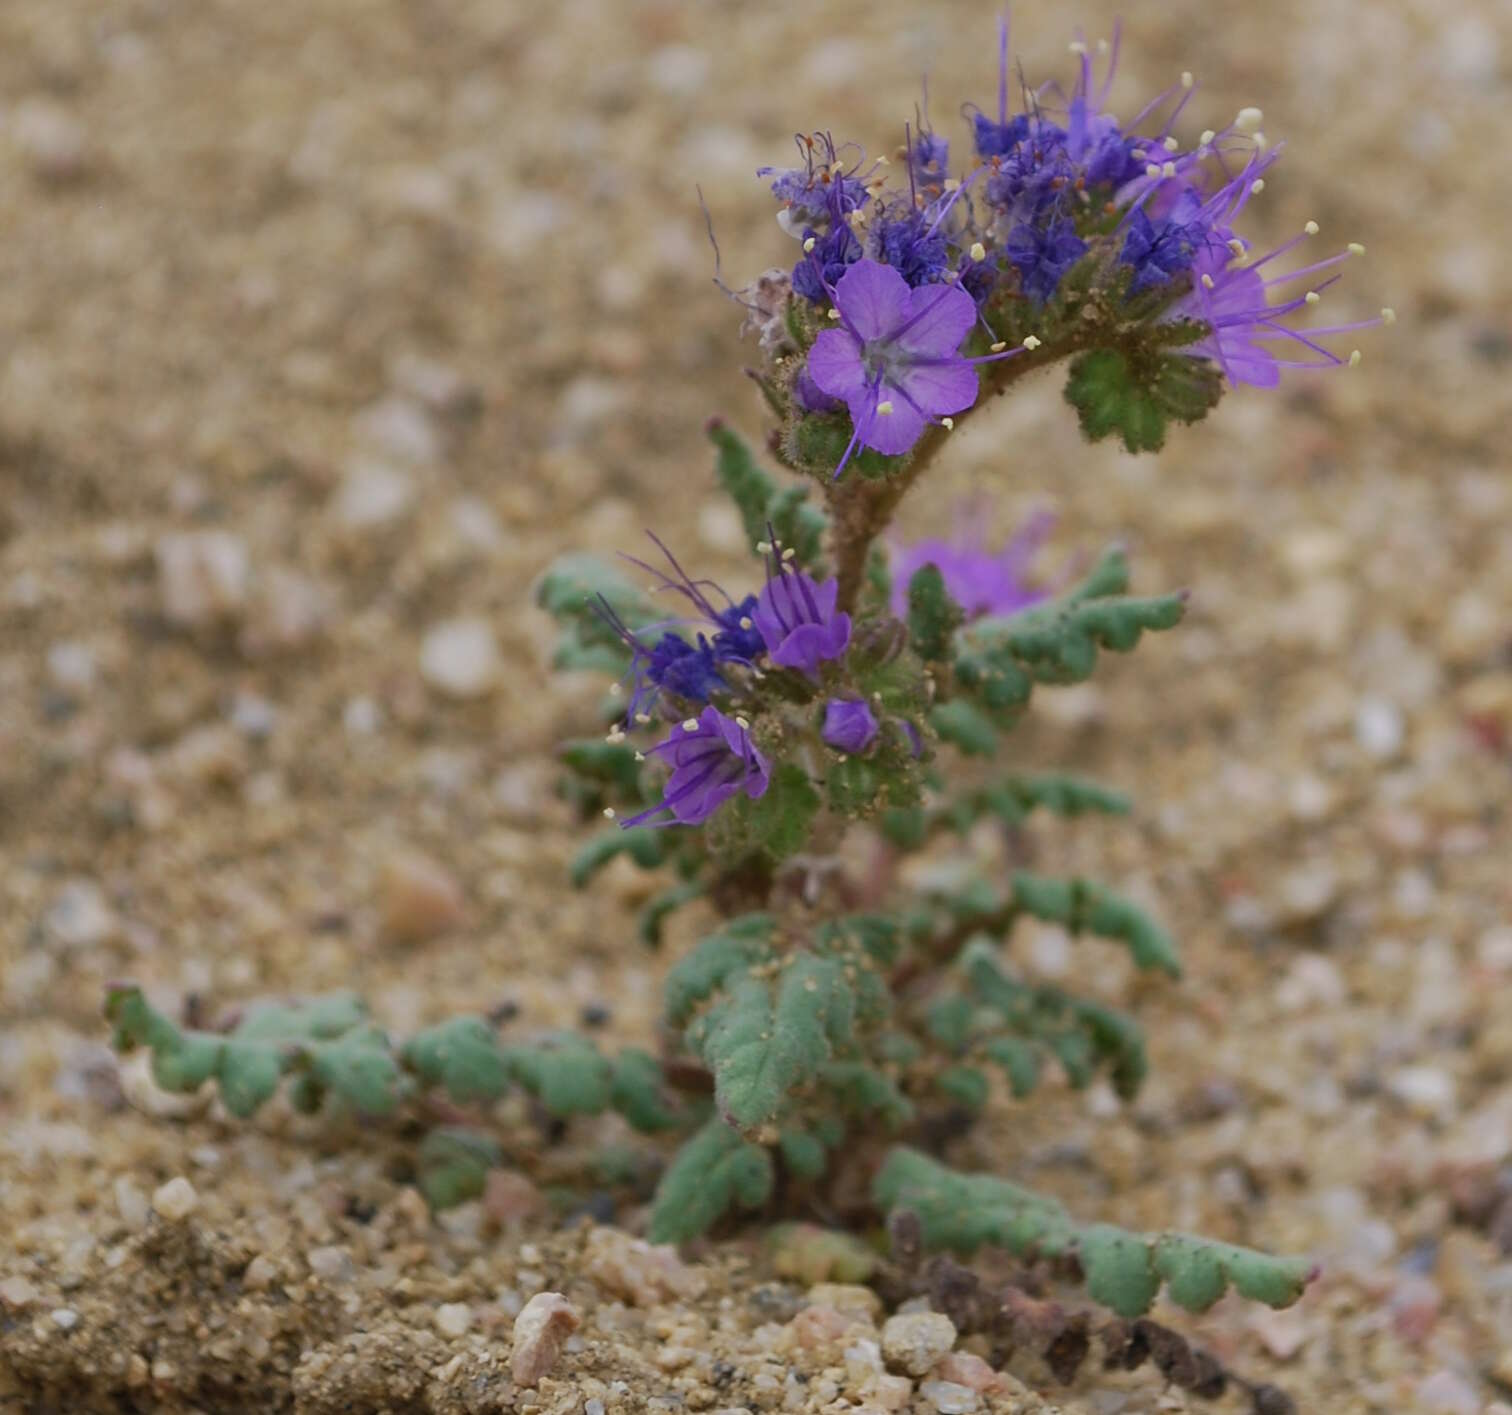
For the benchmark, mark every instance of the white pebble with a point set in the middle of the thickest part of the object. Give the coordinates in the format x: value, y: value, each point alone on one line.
x: 65, y: 1318
x: 372, y: 495
x: 1379, y: 728
x: 459, y: 658
x: 453, y: 1319
x: 175, y: 1200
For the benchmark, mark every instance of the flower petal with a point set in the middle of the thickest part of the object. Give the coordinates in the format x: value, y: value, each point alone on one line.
x: 873, y: 299
x: 893, y: 432
x: 834, y: 363
x: 937, y: 388
x: 939, y: 317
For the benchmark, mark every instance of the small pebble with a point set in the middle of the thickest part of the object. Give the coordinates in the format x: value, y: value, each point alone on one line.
x: 71, y: 667
x: 131, y: 1203
x: 79, y: 916
x: 418, y: 898
x: 51, y: 139
x: 65, y: 1318
x: 175, y: 1200
x: 453, y: 1319
x: 949, y: 1398
x: 330, y: 1264
x: 459, y: 658
x: 373, y: 495
x: 203, y: 577
x: 915, y: 1341
x: 1379, y: 728
x: 544, y: 1324
x: 17, y: 1293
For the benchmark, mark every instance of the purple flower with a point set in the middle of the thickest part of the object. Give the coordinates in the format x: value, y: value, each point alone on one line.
x: 670, y: 663
x: 1233, y: 298
x: 980, y: 581
x: 821, y: 189
x: 1043, y: 255
x: 712, y: 759
x: 894, y: 360
x: 912, y: 245
x: 797, y: 620
x: 849, y: 725
x: 825, y: 262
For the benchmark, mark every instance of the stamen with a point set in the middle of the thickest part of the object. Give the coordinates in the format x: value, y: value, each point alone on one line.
x: 745, y: 621
x: 1172, y: 144
x: 884, y: 408
x: 1388, y: 315
x: 690, y: 724
x: 947, y: 423
x: 743, y: 724
x: 1257, y: 186
x: 999, y: 346
x: 1187, y: 81
x: 1311, y: 228
x: 763, y: 547
x: 789, y: 553
x: 610, y: 813
x: 1032, y: 342
x: 1207, y: 137
x: 1355, y: 248
x: 1354, y: 358
x: 1248, y: 120
x: 643, y: 718
x: 978, y: 251
x: 1207, y: 282
x: 1312, y: 297
x: 808, y: 245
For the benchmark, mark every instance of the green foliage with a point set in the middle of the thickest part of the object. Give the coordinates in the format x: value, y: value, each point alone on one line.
x: 636, y: 1092
x: 565, y: 1072
x: 716, y: 1170
x: 1000, y: 658
x: 1008, y: 1020
x: 604, y: 763
x: 1123, y: 1270
x: 462, y: 1056
x: 715, y: 963
x: 965, y: 727
x: 328, y: 1041
x: 933, y: 616
x: 776, y: 824
x: 654, y: 914
x: 647, y: 848
x: 766, y: 1038
x: 452, y: 1165
x: 1135, y: 394
x: 863, y: 1091
x: 569, y: 590
x: 763, y: 506
x: 1084, y: 907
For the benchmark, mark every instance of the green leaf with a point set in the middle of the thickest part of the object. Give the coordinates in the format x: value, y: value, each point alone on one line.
x: 964, y: 727
x: 1135, y: 394
x: 655, y: 913
x: 716, y: 1170
x: 933, y: 616
x: 636, y: 1092
x: 1017, y: 1060
x: 862, y: 1090
x: 565, y: 1073
x: 647, y: 848
x: 802, y: 1153
x: 608, y: 763
x: 763, y: 1040
x: 462, y: 1055
x: 965, y: 1085
x: 358, y: 1068
x: 1084, y: 907
x: 1123, y: 1270
x: 714, y: 964
x: 764, y: 507
x: 1000, y: 658
x: 777, y: 823
x: 453, y: 1165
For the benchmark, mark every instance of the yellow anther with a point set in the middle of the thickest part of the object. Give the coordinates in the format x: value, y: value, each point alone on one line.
x: 884, y: 408
x: 1032, y: 342
x: 978, y: 251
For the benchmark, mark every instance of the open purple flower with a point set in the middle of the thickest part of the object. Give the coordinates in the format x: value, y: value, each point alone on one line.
x: 894, y: 361
x: 797, y: 620
x: 849, y: 725
x: 981, y: 581
x: 1232, y: 296
x: 712, y: 759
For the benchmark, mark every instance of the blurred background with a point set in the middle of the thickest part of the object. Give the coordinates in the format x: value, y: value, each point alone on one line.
x: 323, y: 327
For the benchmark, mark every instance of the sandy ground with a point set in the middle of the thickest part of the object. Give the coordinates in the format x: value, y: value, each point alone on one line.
x: 383, y: 304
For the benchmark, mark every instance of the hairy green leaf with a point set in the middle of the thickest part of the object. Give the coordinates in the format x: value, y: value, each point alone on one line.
x: 1123, y: 1270
x: 716, y: 1170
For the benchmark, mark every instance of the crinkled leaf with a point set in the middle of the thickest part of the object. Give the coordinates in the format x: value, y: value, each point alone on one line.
x: 716, y: 1170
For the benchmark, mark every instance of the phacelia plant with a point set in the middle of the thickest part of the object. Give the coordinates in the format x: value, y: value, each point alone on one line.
x: 835, y: 1025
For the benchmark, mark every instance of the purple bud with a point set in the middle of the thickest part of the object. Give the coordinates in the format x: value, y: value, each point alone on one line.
x: 849, y: 725
x: 915, y: 741
x: 811, y: 398
x: 712, y: 759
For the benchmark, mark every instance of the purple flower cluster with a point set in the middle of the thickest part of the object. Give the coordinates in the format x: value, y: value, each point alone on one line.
x: 908, y: 272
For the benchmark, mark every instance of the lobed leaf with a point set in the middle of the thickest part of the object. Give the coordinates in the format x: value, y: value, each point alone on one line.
x: 716, y: 1170
x: 1123, y: 1270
